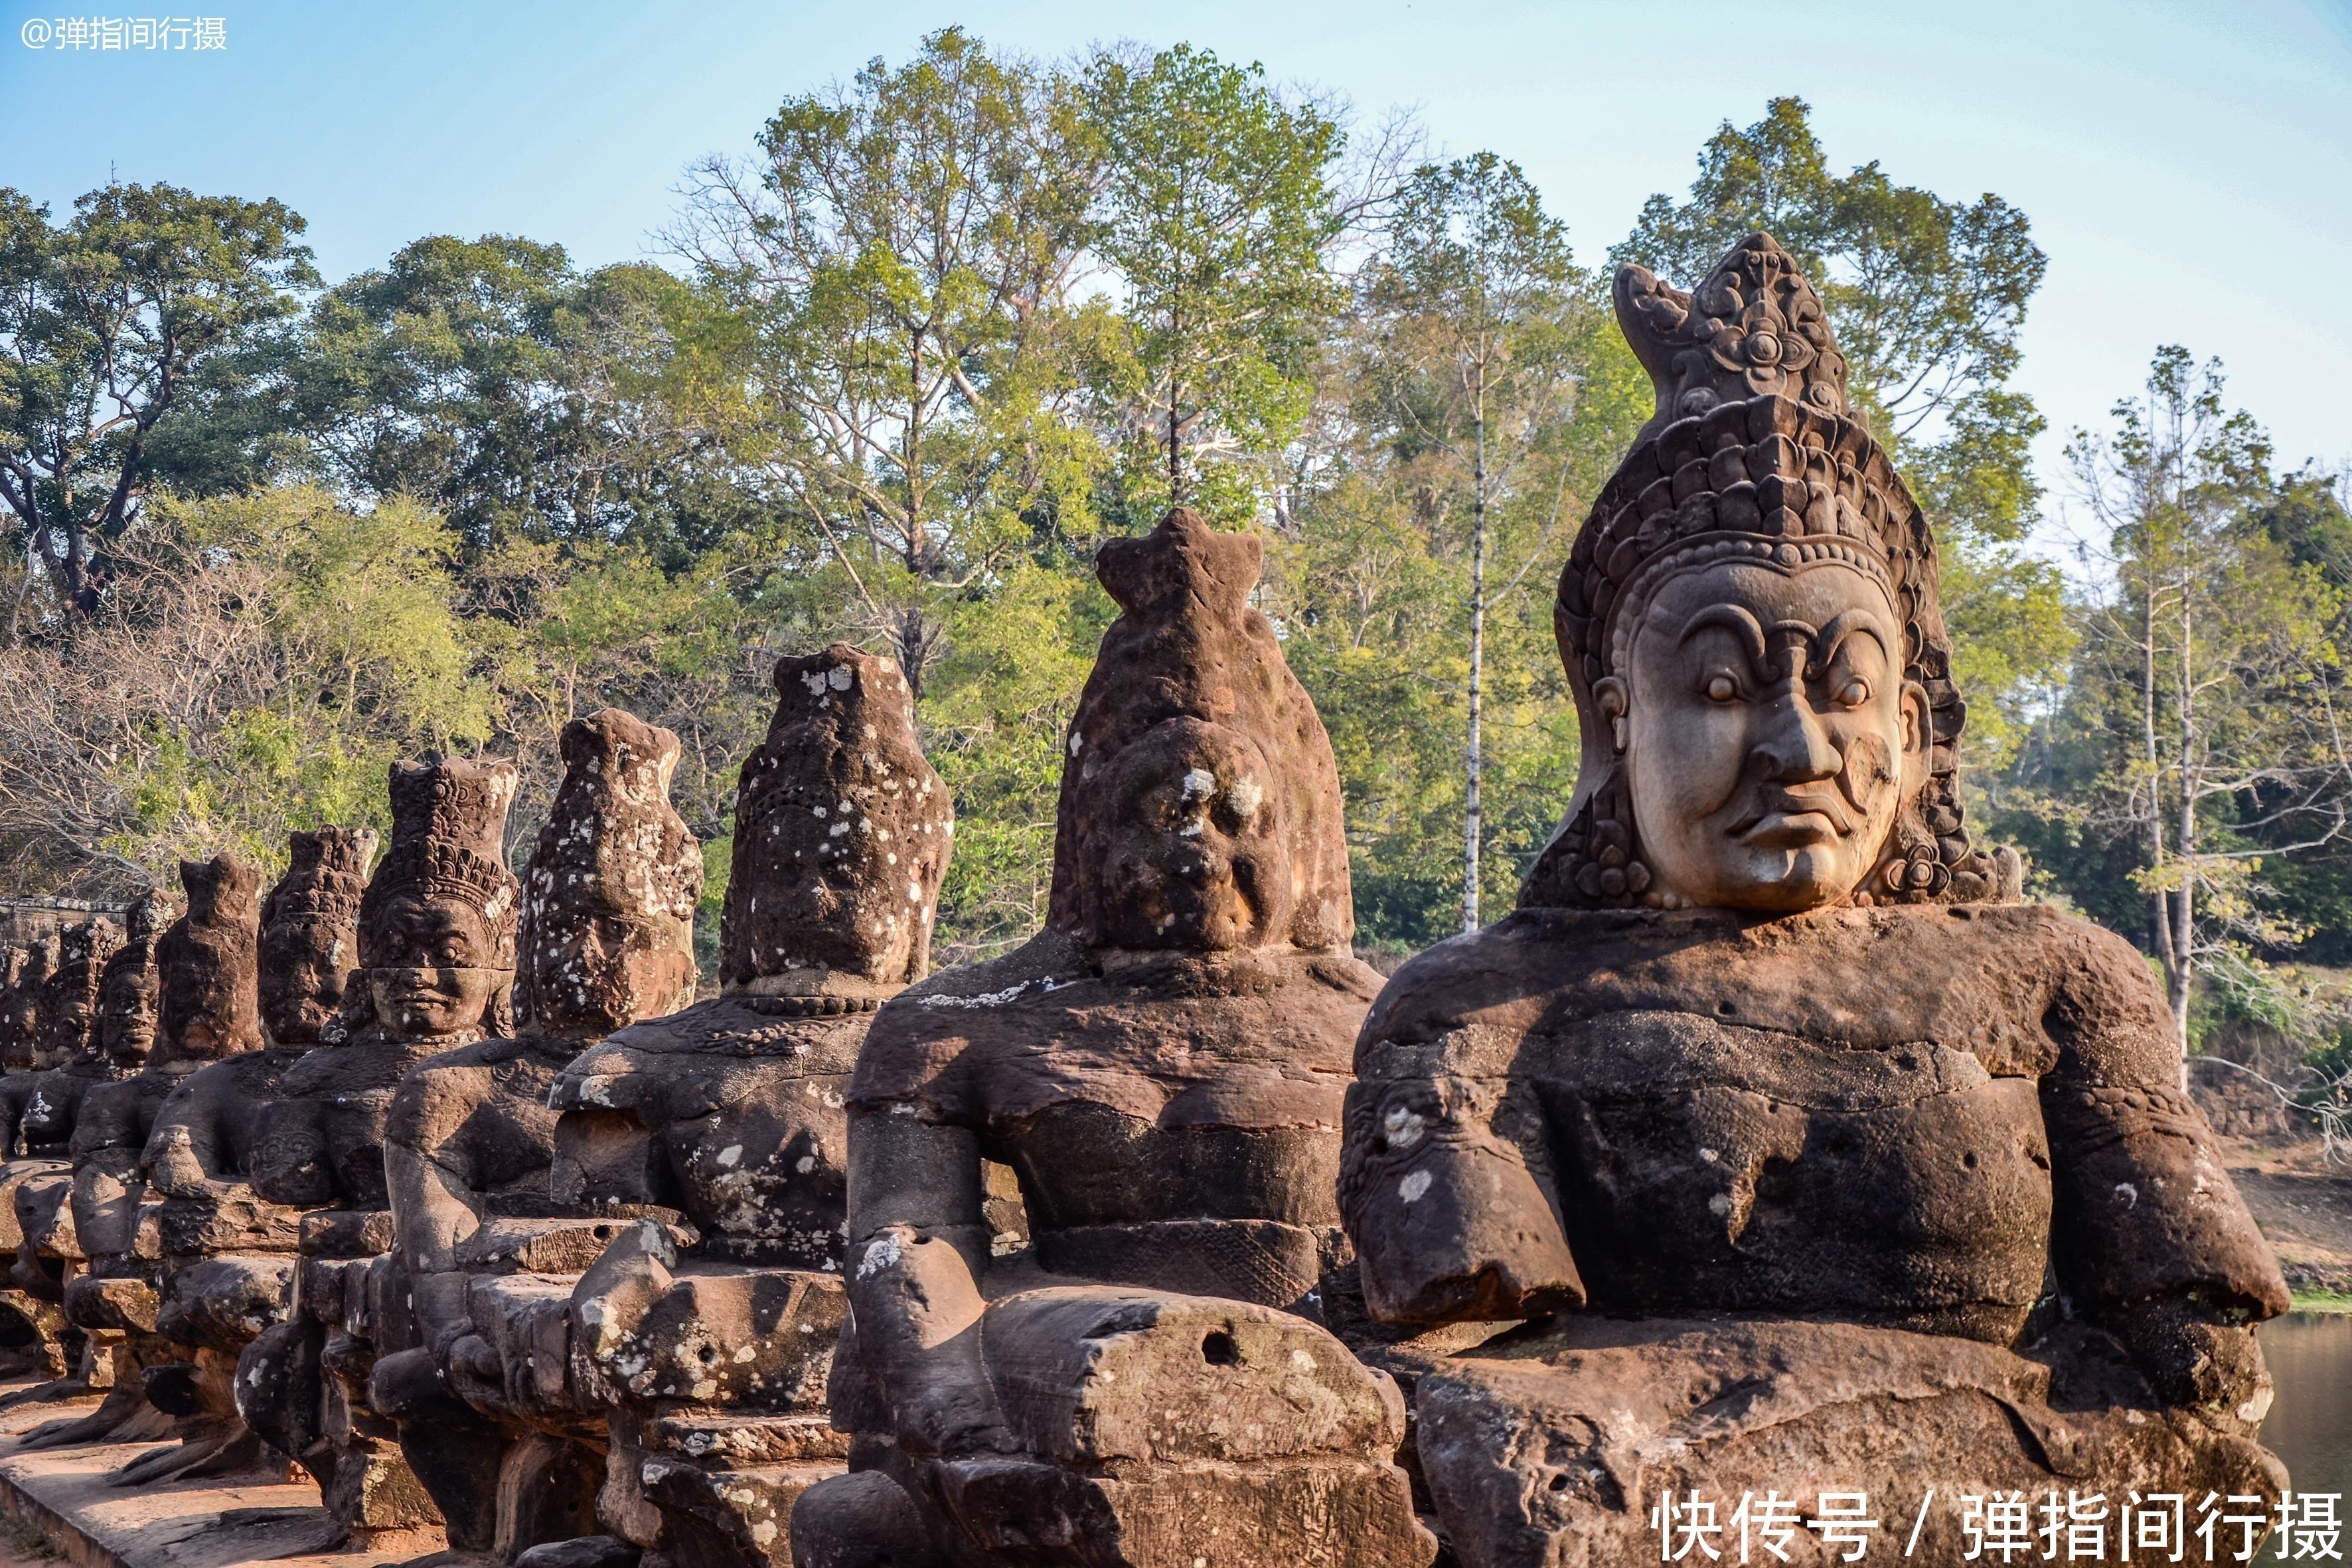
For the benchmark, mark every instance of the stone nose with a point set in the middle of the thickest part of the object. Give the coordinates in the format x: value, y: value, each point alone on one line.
x: 1793, y: 745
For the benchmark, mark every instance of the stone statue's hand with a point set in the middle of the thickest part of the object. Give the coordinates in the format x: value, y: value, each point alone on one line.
x: 2197, y: 1357
x: 953, y: 1415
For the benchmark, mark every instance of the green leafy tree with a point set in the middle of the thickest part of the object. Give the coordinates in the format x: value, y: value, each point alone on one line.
x: 2201, y: 734
x: 898, y: 260
x: 255, y: 666
x: 147, y: 302
x: 1216, y: 213
x: 1472, y: 304
x: 492, y: 381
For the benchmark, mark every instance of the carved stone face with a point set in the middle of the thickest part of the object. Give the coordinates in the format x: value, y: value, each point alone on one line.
x: 127, y: 1022
x: 593, y: 973
x: 431, y: 978
x: 1769, y: 737
x: 301, y: 984
x: 1193, y: 852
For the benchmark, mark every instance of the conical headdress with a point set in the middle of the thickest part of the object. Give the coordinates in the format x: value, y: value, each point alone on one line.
x: 615, y: 856
x: 448, y: 839
x: 1188, y: 653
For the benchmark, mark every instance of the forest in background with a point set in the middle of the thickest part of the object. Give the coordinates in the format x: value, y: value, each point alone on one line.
x: 908, y: 359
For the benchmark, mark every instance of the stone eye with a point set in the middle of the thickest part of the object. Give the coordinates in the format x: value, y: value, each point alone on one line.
x: 1855, y: 693
x: 1722, y: 688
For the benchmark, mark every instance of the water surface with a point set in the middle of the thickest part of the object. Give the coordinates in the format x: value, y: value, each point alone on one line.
x: 2310, y: 1422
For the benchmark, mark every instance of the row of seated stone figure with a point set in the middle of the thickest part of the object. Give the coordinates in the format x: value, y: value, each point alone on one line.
x: 1772, y: 1143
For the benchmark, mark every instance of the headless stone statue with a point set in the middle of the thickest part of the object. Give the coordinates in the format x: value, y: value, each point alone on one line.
x: 707, y: 1361
x: 485, y: 1259
x: 1815, y: 1160
x: 1163, y: 1068
x: 436, y: 945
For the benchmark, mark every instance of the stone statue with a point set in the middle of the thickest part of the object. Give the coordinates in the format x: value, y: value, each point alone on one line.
x: 1815, y: 1159
x: 42, y: 1108
x: 707, y: 1359
x: 607, y: 937
x: 198, y: 987
x: 437, y: 951
x: 36, y: 1186
x: 20, y: 1023
x: 29, y: 1326
x: 1163, y: 1068
x: 46, y: 1104
x: 68, y: 1005
x: 17, y: 996
x: 165, y: 1166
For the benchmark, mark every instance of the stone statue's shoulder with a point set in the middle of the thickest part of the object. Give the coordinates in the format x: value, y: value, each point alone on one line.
x: 1867, y: 976
x: 730, y: 1038
x: 924, y: 1040
x: 246, y: 1073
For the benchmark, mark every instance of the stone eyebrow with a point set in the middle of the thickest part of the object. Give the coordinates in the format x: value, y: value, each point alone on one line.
x: 1843, y: 625
x: 1734, y: 620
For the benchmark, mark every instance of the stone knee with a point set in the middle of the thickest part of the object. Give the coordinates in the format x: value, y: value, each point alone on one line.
x: 862, y: 1520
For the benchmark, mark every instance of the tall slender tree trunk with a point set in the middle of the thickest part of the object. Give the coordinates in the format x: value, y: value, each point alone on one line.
x: 2159, y: 912
x: 1473, y: 756
x: 2183, y: 973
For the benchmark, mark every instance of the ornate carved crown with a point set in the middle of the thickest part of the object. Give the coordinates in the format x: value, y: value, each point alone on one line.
x: 326, y: 875
x: 1754, y: 326
x: 1755, y: 454
x: 448, y: 832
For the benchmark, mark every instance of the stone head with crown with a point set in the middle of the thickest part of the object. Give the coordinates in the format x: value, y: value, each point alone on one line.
x: 437, y: 931
x: 1750, y: 623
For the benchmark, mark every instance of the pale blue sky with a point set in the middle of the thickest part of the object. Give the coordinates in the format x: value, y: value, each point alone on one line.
x: 2188, y: 166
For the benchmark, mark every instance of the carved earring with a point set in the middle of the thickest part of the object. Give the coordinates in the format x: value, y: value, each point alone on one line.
x: 1609, y: 691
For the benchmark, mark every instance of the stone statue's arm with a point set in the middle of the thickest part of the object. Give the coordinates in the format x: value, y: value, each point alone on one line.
x: 918, y: 1243
x: 187, y: 1156
x: 435, y: 1205
x: 2147, y: 1232
x: 1450, y: 1222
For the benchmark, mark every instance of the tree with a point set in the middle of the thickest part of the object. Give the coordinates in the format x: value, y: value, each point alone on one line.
x: 2211, y: 681
x: 899, y: 259
x: 143, y: 302
x: 1926, y: 295
x: 489, y: 380
x: 1473, y: 300
x: 257, y: 663
x: 1216, y: 212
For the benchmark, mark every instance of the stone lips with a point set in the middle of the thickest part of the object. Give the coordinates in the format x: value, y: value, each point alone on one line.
x: 841, y: 835
x: 210, y: 964
x: 1189, y: 665
x: 607, y: 929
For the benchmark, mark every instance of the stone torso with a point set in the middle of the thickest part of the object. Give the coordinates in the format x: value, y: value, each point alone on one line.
x: 320, y: 1139
x: 1883, y: 1116
x: 1174, y: 1121
x: 730, y: 1114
